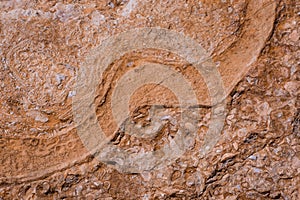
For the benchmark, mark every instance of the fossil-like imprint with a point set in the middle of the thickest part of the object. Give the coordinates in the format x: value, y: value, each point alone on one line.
x: 234, y: 63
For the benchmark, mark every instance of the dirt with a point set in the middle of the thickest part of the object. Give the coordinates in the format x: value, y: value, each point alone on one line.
x: 255, y: 47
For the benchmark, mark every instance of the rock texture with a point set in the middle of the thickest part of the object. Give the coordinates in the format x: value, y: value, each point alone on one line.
x: 255, y: 45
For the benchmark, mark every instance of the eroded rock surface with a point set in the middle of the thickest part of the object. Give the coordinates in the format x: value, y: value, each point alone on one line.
x: 254, y: 44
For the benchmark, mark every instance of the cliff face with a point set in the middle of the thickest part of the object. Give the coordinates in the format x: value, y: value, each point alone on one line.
x: 212, y: 87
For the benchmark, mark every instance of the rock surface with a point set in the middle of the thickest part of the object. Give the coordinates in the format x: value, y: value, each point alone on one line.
x: 255, y: 46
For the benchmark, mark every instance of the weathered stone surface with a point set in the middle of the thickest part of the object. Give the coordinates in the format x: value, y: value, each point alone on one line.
x: 255, y: 46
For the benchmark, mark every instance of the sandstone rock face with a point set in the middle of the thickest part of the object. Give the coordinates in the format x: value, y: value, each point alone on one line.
x: 131, y: 99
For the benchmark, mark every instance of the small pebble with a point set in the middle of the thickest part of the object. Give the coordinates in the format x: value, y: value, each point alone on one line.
x: 72, y: 94
x: 252, y: 157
